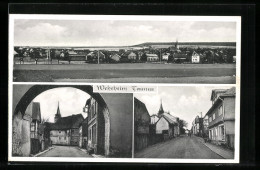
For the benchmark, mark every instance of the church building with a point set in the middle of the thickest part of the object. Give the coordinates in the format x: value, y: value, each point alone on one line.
x: 167, y: 124
x: 65, y: 130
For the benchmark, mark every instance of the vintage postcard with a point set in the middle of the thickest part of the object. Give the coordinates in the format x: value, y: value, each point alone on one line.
x: 186, y: 122
x: 106, y: 88
x: 125, y: 49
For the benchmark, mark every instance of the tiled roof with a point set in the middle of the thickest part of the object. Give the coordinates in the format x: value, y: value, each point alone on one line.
x: 68, y: 122
x: 72, y: 52
x: 171, y: 119
x: 151, y: 55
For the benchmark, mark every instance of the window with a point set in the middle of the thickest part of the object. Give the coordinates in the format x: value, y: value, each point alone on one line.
x: 59, y: 131
x: 222, y: 132
x: 33, y: 130
x: 213, y: 116
x: 220, y: 110
x: 65, y: 138
x: 210, y: 119
x: 32, y: 127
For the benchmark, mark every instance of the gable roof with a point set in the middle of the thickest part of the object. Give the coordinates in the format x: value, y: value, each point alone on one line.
x: 217, y: 91
x: 230, y: 92
x: 132, y: 54
x: 68, y: 122
x: 151, y: 55
x: 72, y: 53
x: 36, y: 111
x: 227, y: 93
x: 171, y: 119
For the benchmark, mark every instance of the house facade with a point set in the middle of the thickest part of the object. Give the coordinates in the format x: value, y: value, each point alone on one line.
x: 142, y: 121
x: 36, y: 138
x: 74, y: 56
x: 65, y: 130
x: 83, y: 133
x: 132, y: 56
x: 115, y: 57
x: 197, y: 126
x: 206, y: 125
x: 152, y: 57
x: 221, y: 117
x: 195, y: 58
x: 167, y: 125
x: 165, y: 57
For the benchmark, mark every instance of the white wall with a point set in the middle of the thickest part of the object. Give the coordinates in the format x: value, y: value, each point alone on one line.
x: 161, y: 125
x: 154, y: 119
x: 60, y: 137
x: 195, y: 59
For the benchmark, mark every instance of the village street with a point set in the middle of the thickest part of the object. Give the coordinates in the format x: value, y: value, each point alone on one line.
x: 181, y: 147
x: 65, y: 151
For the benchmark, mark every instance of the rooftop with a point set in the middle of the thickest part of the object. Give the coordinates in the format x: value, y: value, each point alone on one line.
x: 68, y: 122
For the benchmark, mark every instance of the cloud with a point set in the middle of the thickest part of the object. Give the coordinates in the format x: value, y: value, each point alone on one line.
x: 184, y: 102
x: 109, y: 32
x: 71, y: 101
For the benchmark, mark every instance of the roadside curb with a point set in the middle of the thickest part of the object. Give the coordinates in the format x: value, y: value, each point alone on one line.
x: 38, y: 154
x: 214, y: 151
x: 210, y: 148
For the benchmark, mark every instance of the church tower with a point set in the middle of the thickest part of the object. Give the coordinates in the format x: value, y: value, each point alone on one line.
x: 176, y: 44
x: 57, y: 115
x: 161, y: 111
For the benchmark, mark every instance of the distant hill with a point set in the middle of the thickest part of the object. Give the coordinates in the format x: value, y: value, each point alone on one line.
x: 158, y: 44
x: 188, y: 43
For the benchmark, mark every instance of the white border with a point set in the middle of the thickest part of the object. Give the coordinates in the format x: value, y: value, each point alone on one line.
x: 236, y: 19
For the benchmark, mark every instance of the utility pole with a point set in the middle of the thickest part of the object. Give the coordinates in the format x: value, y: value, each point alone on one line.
x: 98, y: 56
x: 160, y: 55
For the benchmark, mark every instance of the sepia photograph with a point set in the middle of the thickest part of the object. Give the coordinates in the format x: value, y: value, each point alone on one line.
x: 125, y: 49
x: 186, y: 122
x: 70, y: 121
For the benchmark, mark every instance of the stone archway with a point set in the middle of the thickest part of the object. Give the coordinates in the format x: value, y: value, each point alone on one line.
x: 23, y: 96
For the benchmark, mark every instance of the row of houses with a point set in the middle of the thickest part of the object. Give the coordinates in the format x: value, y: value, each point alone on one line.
x: 172, y: 54
x: 218, y: 124
x: 151, y: 129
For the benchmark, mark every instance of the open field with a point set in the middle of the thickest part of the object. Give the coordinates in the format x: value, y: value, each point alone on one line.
x: 127, y: 73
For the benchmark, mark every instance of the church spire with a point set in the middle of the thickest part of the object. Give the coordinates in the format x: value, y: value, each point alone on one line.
x: 57, y: 115
x: 176, y: 44
x: 161, y: 111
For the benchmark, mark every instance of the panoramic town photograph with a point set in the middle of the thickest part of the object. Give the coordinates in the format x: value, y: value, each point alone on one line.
x: 124, y: 51
x: 185, y: 122
x: 70, y: 121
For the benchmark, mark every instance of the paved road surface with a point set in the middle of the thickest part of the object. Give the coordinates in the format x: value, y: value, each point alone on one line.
x: 182, y: 147
x: 65, y: 151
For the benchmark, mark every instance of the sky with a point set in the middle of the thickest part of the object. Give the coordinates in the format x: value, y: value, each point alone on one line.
x: 71, y: 101
x: 31, y: 32
x: 185, y: 102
